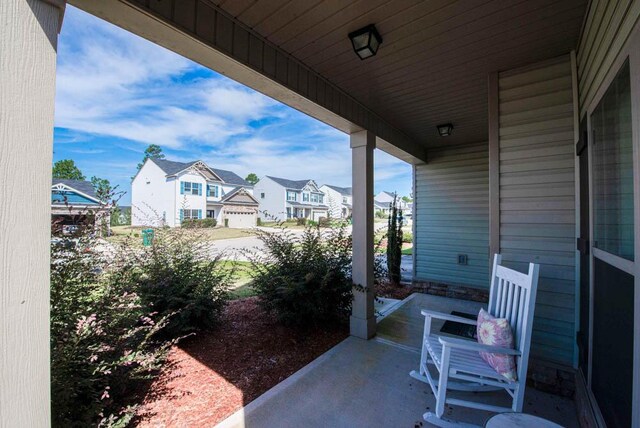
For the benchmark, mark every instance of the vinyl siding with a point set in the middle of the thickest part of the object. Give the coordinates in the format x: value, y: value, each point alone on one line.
x: 608, y: 25
x: 452, y: 216
x: 537, y: 195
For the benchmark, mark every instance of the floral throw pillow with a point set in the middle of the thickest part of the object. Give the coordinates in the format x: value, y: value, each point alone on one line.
x: 497, y: 332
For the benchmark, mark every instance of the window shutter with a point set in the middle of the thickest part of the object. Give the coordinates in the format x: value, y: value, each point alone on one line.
x: 199, y: 189
x: 208, y: 190
x: 199, y: 214
x: 181, y: 189
x: 181, y: 215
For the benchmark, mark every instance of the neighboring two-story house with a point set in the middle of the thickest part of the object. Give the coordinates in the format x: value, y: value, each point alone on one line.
x: 338, y: 199
x: 165, y: 192
x: 283, y: 199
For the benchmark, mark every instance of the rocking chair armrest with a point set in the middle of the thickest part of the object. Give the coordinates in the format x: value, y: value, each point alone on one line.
x: 475, y: 346
x: 447, y: 317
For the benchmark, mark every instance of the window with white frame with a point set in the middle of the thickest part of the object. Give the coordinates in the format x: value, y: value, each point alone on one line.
x: 213, y: 190
x: 305, y: 197
x: 186, y: 214
x: 292, y: 196
x: 189, y: 188
x: 314, y: 197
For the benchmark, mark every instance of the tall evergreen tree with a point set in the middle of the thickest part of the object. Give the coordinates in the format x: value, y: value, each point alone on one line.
x: 394, y: 242
x: 154, y: 151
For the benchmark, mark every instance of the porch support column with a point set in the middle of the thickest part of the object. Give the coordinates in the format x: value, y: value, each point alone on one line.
x: 28, y: 39
x: 363, y: 320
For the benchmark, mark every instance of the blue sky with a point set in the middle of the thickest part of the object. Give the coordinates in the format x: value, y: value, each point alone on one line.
x: 117, y: 93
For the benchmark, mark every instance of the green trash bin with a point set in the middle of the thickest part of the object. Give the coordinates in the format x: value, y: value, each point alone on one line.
x: 147, y: 237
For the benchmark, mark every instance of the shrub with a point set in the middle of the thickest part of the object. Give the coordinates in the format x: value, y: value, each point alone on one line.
x: 380, y: 214
x: 324, y: 222
x: 394, y: 243
x: 259, y: 222
x: 177, y: 274
x: 407, y: 237
x: 301, y: 221
x: 103, y: 339
x: 115, y: 315
x: 199, y: 223
x: 305, y: 280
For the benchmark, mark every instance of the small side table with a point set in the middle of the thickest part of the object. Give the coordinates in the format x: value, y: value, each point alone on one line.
x: 519, y: 420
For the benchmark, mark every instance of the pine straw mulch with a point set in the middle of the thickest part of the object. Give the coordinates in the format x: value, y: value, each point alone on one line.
x: 210, y: 376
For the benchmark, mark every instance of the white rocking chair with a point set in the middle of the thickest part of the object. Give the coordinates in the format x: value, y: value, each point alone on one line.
x: 512, y: 296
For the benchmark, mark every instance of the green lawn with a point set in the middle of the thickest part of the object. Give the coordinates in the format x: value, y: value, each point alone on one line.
x: 407, y: 251
x: 242, y: 286
x: 208, y: 234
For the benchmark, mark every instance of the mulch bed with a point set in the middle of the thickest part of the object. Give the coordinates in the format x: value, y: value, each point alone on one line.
x: 210, y: 376
x: 393, y: 291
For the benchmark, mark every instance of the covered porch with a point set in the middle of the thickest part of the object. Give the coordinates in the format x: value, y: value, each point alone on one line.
x: 542, y: 165
x: 366, y: 383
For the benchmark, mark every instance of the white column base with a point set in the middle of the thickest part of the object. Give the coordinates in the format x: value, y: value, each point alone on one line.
x: 362, y: 328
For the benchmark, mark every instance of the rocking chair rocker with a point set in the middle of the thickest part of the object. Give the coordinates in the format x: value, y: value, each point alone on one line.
x: 512, y: 296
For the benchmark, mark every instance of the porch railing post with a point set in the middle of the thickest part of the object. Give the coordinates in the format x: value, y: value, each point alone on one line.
x: 363, y: 321
x: 28, y: 39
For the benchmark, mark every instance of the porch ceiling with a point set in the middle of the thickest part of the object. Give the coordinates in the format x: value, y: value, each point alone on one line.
x: 433, y: 64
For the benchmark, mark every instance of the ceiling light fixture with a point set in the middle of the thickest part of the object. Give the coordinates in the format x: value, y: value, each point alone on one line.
x: 366, y: 41
x: 445, y: 130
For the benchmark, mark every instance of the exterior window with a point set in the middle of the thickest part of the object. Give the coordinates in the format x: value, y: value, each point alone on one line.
x: 613, y: 169
x: 305, y: 197
x: 211, y: 213
x: 314, y: 197
x: 190, y: 214
x: 213, y: 191
x: 292, y: 196
x: 344, y: 199
x: 321, y: 198
x: 262, y: 195
x: 188, y: 188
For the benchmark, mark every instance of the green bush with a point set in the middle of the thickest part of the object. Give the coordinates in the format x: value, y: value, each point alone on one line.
x: 259, y: 222
x: 103, y: 339
x: 199, y: 223
x: 325, y: 222
x: 407, y: 237
x: 177, y: 274
x: 301, y: 221
x: 305, y: 280
x: 381, y: 214
x: 114, y: 317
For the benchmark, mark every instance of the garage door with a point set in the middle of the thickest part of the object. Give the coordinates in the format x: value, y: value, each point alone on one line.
x: 318, y: 214
x: 241, y: 220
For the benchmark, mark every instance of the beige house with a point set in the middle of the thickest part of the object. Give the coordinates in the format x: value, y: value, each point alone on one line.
x: 521, y: 120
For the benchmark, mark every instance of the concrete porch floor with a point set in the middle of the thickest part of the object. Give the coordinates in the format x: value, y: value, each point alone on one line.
x: 363, y: 383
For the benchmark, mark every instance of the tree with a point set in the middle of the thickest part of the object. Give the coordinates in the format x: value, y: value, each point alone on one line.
x: 103, y: 188
x: 407, y: 199
x: 394, y: 242
x: 67, y: 169
x: 154, y: 151
x: 252, y: 179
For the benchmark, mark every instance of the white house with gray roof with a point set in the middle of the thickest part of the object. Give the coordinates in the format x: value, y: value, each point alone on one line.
x: 338, y: 199
x: 166, y: 192
x: 282, y: 199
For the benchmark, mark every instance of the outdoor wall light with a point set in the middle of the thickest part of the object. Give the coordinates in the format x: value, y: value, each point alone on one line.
x: 445, y: 130
x: 366, y: 41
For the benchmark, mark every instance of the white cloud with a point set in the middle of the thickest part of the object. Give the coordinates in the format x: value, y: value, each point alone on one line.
x: 111, y: 83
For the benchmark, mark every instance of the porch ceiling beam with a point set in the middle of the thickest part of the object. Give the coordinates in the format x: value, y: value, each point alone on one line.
x: 227, y: 46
